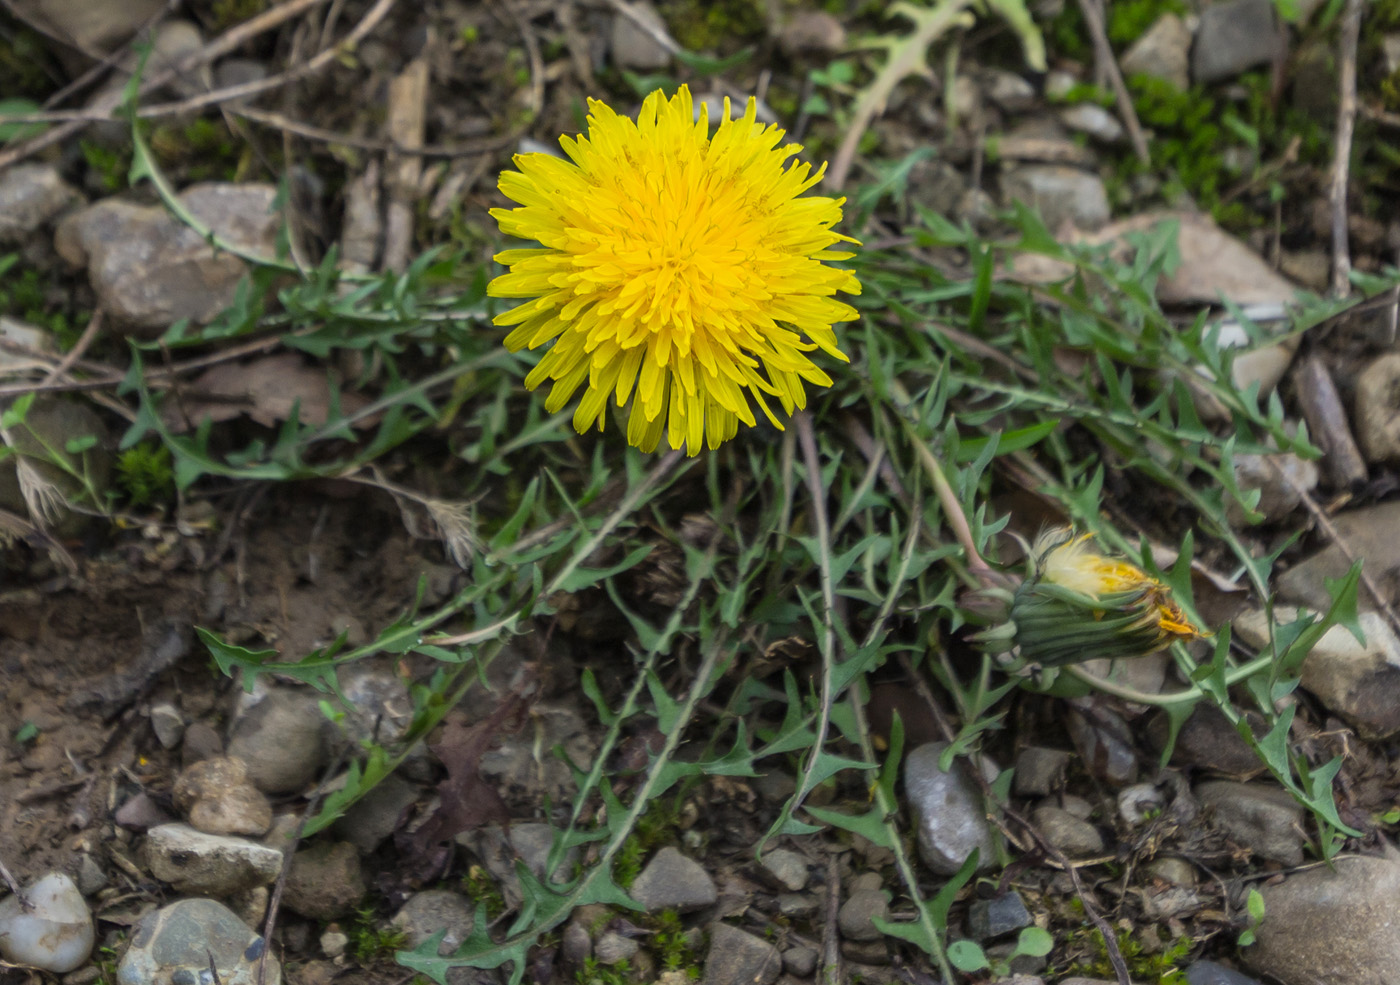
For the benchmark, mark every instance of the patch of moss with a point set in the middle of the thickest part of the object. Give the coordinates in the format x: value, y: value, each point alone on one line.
x: 24, y: 294
x: 710, y: 25
x: 1161, y: 965
x: 227, y: 13
x: 22, y: 59
x: 203, y: 149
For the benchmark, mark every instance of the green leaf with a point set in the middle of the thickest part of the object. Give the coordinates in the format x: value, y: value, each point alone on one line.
x: 1035, y: 941
x: 1255, y: 905
x: 967, y: 956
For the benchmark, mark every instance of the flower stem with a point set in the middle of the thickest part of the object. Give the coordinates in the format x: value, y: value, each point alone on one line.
x: 1193, y: 693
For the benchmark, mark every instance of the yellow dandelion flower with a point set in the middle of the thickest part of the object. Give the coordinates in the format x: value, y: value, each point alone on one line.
x: 678, y: 270
x: 1069, y: 562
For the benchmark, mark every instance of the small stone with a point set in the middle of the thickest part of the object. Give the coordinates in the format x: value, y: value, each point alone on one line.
x: 739, y: 958
x: 1209, y: 740
x: 785, y: 869
x: 532, y: 842
x: 334, y: 941
x: 775, y: 787
x: 1009, y: 91
x: 50, y: 928
x: 634, y: 47
x: 325, y: 881
x: 237, y: 72
x: 1139, y: 803
x: 857, y: 915
x: 1105, y: 745
x: 1210, y: 973
x: 1359, y: 682
x: 83, y: 976
x: 1061, y: 194
x: 91, y: 876
x: 51, y: 423
x: 201, y: 742
x: 612, y: 947
x: 577, y: 946
x: 1311, y: 268
x: 250, y: 905
x: 1173, y: 871
x: 150, y: 270
x: 281, y: 738
x: 796, y: 906
x: 811, y: 32
x: 513, y: 762
x: 672, y: 881
x: 376, y: 816
x: 800, y: 961
x: 217, y: 798
x: 1234, y: 36
x: 1377, y: 418
x: 140, y: 813
x: 1335, y: 925
x: 947, y: 811
x: 1280, y: 479
x: 1094, y: 120
x: 177, y: 944
x: 1163, y: 52
x: 1076, y: 838
x: 1039, y: 770
x: 380, y: 706
x: 1266, y: 820
x: 875, y: 953
x: 1370, y: 531
x: 168, y: 725
x: 424, y: 914
x: 213, y: 865
x: 30, y: 196
x: 864, y: 881
x: 988, y: 919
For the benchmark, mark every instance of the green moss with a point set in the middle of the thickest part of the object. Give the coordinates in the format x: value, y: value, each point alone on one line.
x: 25, y: 295
x: 479, y: 887
x: 22, y: 60
x: 226, y: 13
x: 369, y: 942
x: 202, y: 150
x: 709, y: 25
x: 1162, y: 966
x: 1129, y: 20
x: 144, y: 473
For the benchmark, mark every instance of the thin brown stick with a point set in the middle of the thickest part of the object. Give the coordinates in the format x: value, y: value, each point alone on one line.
x: 1341, y: 156
x: 1103, y: 52
x: 222, y: 45
x: 831, y: 936
x: 61, y: 368
x: 280, y: 887
x: 1327, y: 423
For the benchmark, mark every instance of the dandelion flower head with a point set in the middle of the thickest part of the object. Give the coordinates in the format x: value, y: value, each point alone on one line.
x: 677, y: 269
x: 1069, y: 562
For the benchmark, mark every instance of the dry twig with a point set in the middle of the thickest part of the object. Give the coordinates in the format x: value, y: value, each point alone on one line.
x: 1341, y: 155
x: 1327, y: 423
x: 229, y: 41
x: 1104, y: 54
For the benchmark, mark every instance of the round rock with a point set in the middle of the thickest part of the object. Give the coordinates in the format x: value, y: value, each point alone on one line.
x: 55, y: 933
x: 174, y: 946
x: 1331, y: 925
x: 857, y: 915
x: 325, y: 881
x: 947, y: 811
x: 31, y: 195
x: 739, y: 958
x: 282, y: 741
x: 424, y: 914
x: 217, y: 798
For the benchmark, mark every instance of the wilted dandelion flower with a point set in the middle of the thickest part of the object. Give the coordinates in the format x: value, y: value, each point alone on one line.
x: 1077, y: 605
x: 678, y: 270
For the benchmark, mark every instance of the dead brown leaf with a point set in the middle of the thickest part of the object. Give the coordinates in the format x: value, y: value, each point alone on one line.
x: 265, y: 390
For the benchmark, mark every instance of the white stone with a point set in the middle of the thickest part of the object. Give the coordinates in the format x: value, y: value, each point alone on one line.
x: 215, y: 865
x: 55, y: 934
